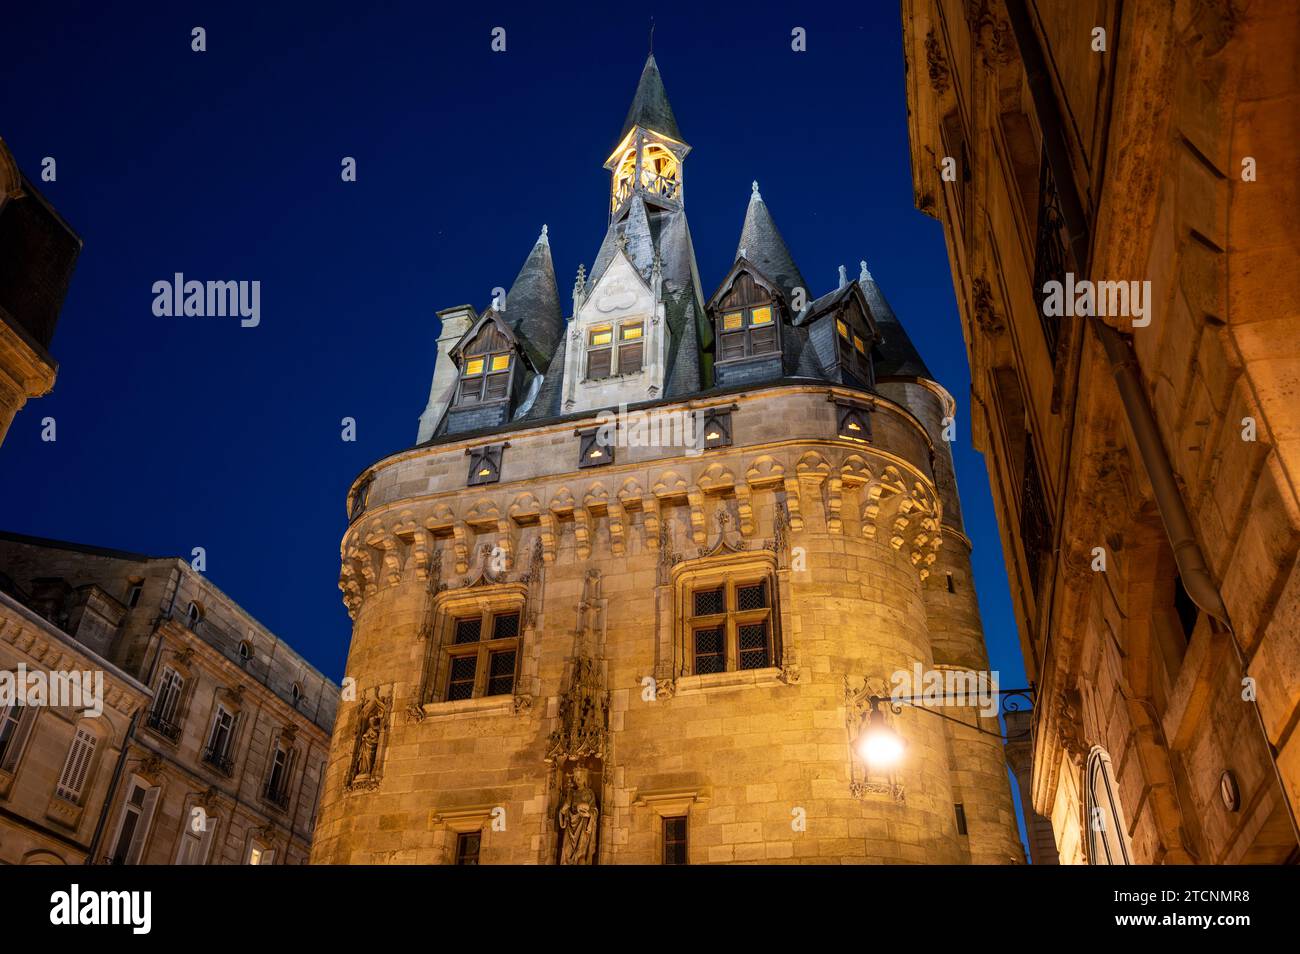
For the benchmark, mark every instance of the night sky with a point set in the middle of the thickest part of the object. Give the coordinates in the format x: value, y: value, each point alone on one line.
x: 174, y: 433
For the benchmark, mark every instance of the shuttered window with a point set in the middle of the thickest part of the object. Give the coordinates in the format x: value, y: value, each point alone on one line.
x: 484, y: 378
x: 72, y: 780
x: 746, y: 332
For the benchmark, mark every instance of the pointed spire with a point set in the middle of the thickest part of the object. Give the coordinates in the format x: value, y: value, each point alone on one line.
x: 897, y: 357
x: 650, y: 108
x: 533, y: 304
x: 762, y: 244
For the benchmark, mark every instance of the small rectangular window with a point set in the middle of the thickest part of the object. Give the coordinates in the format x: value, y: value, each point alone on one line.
x: 505, y: 626
x: 710, y: 651
x: 500, y: 362
x: 630, y: 332
x: 960, y: 811
x: 468, y: 630
x: 133, y: 595
x: 460, y: 680
x: 859, y: 345
x: 601, y: 336
x: 468, y: 845
x: 761, y: 316
x: 842, y: 328
x: 675, y: 841
x: 751, y: 640
x: 501, y: 673
x: 733, y: 321
x: 752, y: 596
x: 474, y: 366
x: 709, y: 602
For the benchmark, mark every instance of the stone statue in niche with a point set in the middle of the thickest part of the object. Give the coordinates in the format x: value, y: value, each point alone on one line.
x: 369, y: 742
x: 578, y: 820
x: 369, y: 746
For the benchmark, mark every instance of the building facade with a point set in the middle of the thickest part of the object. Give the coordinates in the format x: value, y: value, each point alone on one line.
x: 38, y: 251
x: 631, y: 595
x: 1116, y: 187
x: 212, y: 739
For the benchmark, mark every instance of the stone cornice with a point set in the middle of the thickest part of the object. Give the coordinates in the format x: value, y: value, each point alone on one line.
x: 398, y: 542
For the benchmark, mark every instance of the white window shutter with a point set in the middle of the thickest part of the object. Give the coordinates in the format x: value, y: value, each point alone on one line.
x: 73, y: 777
x: 142, y: 827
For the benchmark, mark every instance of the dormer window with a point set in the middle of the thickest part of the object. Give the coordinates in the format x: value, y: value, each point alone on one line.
x: 746, y: 332
x: 854, y: 355
x: 484, y: 378
x: 604, y: 354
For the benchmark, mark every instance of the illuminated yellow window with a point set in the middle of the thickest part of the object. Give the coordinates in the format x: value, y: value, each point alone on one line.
x: 760, y: 316
x: 733, y: 321
x: 601, y: 336
x: 842, y: 328
x: 474, y: 366
x: 630, y: 332
x: 859, y: 344
x: 500, y: 362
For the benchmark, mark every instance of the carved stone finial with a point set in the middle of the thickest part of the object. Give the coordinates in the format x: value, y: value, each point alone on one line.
x: 621, y: 241
x: 543, y: 239
x: 757, y: 195
x: 844, y: 277
x: 865, y: 274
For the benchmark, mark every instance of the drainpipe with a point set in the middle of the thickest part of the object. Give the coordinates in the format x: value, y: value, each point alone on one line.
x: 1192, y: 568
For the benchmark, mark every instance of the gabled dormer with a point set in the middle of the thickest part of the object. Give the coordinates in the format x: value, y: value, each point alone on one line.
x: 491, y: 367
x: 750, y: 321
x: 844, y: 333
x: 618, y: 339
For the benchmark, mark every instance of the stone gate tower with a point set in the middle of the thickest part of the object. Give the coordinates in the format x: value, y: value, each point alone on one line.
x: 626, y: 599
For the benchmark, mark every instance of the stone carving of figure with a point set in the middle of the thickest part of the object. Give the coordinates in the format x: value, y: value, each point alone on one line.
x: 369, y: 746
x: 578, y: 821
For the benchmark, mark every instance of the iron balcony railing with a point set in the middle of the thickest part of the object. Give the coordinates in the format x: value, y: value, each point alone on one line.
x: 278, y: 798
x: 164, y: 727
x: 219, y: 760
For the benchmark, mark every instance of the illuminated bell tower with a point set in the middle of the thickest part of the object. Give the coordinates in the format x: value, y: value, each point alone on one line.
x: 648, y: 158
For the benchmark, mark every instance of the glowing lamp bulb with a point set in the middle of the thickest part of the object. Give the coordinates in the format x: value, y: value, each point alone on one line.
x: 854, y: 427
x: 879, y: 745
x: 712, y: 436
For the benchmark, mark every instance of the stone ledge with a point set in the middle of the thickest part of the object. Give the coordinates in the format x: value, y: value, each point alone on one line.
x: 741, y: 679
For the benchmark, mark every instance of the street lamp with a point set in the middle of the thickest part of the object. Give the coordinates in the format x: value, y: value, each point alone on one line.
x: 878, y: 744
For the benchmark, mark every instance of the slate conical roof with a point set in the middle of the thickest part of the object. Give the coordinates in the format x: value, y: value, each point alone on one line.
x: 896, y: 356
x: 650, y: 108
x: 762, y: 244
x: 533, y: 304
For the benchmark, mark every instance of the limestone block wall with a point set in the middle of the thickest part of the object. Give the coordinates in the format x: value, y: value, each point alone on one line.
x: 758, y: 760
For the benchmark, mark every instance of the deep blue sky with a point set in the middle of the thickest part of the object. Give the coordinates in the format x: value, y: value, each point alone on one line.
x: 183, y: 432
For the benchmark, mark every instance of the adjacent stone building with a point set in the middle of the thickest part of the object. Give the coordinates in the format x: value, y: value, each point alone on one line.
x: 213, y: 735
x: 38, y: 251
x: 635, y: 593
x: 1141, y: 438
